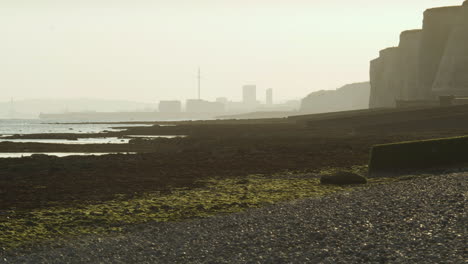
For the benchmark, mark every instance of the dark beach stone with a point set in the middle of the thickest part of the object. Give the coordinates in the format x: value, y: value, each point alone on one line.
x: 40, y: 156
x: 342, y: 178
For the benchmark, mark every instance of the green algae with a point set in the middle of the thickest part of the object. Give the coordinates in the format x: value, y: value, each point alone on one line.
x: 218, y: 196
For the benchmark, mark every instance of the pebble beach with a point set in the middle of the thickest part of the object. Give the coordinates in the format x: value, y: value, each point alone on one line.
x: 420, y: 220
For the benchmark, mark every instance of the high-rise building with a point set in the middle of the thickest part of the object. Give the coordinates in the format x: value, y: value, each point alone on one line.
x: 269, y: 96
x: 249, y: 95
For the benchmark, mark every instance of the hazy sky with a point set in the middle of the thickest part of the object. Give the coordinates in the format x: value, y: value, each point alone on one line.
x: 149, y: 50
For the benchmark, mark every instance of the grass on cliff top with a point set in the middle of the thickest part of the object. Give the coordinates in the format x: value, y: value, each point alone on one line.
x: 20, y: 228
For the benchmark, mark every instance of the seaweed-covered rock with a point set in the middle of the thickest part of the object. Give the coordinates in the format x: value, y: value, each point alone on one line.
x: 343, y: 178
x: 40, y: 156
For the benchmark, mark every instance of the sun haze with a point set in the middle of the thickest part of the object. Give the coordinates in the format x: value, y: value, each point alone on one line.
x: 151, y: 50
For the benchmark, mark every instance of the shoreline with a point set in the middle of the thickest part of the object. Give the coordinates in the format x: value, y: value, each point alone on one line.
x: 211, y: 150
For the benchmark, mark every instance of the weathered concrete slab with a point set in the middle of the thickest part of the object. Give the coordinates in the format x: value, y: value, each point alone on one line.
x: 417, y: 156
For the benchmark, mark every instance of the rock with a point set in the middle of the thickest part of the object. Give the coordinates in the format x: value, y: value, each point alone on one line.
x: 427, y: 63
x: 437, y: 27
x: 408, y: 64
x: 375, y: 83
x: 452, y: 78
x: 343, y: 178
x: 40, y: 156
x: 384, y: 79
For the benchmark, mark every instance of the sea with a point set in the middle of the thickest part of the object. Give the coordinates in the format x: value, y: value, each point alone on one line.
x: 9, y: 127
x: 38, y: 126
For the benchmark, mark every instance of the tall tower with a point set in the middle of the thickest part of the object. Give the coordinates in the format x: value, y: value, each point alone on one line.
x: 269, y: 96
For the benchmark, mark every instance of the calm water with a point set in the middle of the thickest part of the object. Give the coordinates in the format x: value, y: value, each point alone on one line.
x: 13, y: 127
x: 80, y: 141
x: 153, y: 136
x: 35, y: 126
x: 57, y: 154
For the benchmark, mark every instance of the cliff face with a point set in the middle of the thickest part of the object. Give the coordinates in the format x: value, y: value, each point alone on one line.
x: 349, y: 97
x: 437, y: 28
x: 452, y: 75
x: 394, y: 75
x: 375, y: 83
x: 408, y: 65
x: 427, y: 63
x: 389, y: 81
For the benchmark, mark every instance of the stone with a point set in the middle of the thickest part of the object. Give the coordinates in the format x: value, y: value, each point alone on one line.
x: 343, y: 178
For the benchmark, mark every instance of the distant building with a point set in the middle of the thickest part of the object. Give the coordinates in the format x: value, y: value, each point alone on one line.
x: 222, y: 100
x: 202, y: 106
x: 249, y: 95
x: 170, y: 107
x: 237, y: 107
x: 269, y: 96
